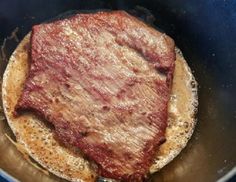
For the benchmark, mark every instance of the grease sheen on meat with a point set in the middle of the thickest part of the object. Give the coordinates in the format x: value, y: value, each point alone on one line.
x: 103, y: 80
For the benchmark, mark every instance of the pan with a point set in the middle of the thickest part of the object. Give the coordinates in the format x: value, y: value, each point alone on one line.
x: 204, y: 30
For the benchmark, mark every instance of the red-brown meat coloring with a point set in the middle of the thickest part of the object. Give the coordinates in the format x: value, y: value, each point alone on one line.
x: 103, y: 80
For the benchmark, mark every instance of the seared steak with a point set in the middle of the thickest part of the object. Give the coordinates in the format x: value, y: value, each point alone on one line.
x: 103, y: 80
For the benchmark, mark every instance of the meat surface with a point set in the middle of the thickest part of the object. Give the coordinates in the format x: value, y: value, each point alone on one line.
x: 103, y: 80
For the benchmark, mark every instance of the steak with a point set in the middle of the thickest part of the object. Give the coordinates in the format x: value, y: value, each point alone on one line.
x: 103, y: 80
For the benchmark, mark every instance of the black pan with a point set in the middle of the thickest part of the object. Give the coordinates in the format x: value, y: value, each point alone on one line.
x: 205, y: 31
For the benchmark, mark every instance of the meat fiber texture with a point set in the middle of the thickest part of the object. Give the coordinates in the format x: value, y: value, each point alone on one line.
x: 103, y: 81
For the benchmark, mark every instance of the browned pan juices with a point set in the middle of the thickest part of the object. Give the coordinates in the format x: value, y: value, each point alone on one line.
x: 48, y: 152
